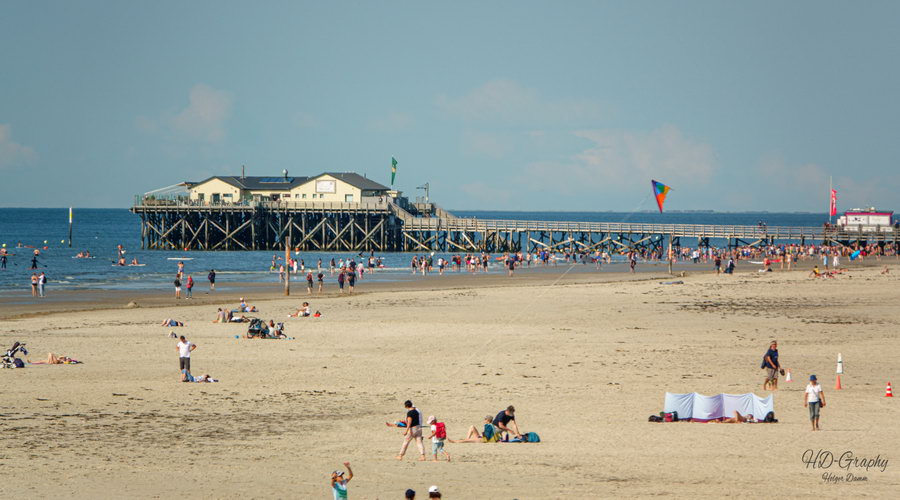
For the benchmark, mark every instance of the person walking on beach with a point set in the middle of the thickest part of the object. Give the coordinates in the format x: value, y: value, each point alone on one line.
x: 34, y: 285
x: 351, y: 280
x: 42, y: 281
x: 339, y: 482
x: 212, y: 279
x: 340, y: 279
x: 633, y: 260
x: 772, y: 366
x: 185, y: 348
x: 190, y: 287
x: 321, y: 278
x: 309, y: 282
x: 412, y: 431
x: 438, y: 436
x: 814, y: 399
x: 177, y: 284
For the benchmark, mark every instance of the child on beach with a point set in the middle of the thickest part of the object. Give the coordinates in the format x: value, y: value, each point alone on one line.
x: 438, y: 436
x: 339, y: 482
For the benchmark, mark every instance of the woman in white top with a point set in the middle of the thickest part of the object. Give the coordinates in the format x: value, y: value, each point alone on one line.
x: 814, y: 399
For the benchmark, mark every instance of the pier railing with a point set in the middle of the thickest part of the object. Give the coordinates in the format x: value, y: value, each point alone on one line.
x: 679, y: 230
x: 150, y: 204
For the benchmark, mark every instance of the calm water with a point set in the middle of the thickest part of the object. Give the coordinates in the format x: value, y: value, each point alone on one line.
x: 100, y: 230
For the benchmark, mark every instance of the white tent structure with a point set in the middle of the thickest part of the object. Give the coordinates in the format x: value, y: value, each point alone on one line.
x: 699, y: 408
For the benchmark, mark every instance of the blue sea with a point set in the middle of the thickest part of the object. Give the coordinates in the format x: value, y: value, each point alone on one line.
x: 101, y: 230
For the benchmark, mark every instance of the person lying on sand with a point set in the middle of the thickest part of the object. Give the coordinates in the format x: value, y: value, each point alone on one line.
x: 738, y: 419
x: 187, y: 377
x: 53, y: 359
x: 489, y: 435
x: 238, y: 319
x: 171, y: 322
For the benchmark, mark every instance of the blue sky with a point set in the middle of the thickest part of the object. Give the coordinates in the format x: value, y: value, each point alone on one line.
x: 498, y: 105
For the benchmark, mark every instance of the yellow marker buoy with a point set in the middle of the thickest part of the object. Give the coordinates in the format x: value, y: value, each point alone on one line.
x: 62, y: 241
x: 45, y: 242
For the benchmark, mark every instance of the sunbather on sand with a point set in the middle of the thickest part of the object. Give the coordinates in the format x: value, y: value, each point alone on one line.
x: 473, y: 436
x: 53, y: 359
x: 171, y: 322
x: 738, y: 419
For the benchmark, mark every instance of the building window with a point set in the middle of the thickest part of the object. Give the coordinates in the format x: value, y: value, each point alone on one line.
x: 348, y: 198
x: 304, y: 196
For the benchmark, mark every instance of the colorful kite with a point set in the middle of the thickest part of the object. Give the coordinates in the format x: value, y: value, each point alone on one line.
x: 660, y: 190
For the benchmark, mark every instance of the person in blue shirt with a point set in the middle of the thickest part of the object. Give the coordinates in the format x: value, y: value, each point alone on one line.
x: 772, y: 366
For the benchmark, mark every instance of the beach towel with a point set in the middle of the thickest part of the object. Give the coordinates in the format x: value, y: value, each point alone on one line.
x: 696, y: 407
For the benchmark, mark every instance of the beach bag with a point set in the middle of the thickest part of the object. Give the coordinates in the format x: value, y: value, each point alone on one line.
x: 440, y: 430
x: 532, y: 437
x: 655, y: 418
x: 670, y: 416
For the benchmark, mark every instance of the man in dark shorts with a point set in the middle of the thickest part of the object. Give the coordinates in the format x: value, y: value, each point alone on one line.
x: 212, y: 279
x: 504, y: 418
x: 185, y: 349
x: 772, y: 366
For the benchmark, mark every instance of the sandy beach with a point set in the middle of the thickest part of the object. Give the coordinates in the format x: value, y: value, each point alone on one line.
x: 584, y: 358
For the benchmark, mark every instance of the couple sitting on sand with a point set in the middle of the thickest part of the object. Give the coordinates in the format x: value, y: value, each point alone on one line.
x: 498, y: 430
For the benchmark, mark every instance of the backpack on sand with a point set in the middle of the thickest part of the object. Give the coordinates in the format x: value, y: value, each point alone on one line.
x: 532, y: 437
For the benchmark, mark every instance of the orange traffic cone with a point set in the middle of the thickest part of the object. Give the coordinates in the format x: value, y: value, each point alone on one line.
x: 788, y: 377
x: 887, y: 391
x: 837, y: 385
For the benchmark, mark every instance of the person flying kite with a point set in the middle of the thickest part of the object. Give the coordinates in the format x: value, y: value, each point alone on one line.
x: 660, y: 190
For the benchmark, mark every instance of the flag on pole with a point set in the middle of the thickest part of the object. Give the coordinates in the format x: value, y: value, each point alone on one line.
x: 660, y: 190
x: 832, y: 209
x: 393, y: 170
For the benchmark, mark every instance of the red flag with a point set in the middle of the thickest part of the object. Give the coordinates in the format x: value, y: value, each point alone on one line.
x: 832, y: 209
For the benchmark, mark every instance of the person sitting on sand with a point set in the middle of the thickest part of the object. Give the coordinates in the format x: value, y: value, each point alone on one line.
x: 276, y: 331
x: 53, y: 359
x: 738, y: 419
x: 489, y: 435
x: 815, y: 273
x: 171, y: 322
x: 504, y: 418
x: 303, y: 312
x: 221, y: 316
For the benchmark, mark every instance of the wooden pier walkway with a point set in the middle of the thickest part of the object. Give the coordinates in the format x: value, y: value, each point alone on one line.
x: 385, y: 226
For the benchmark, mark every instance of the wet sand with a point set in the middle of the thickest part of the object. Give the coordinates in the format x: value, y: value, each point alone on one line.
x: 584, y: 357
